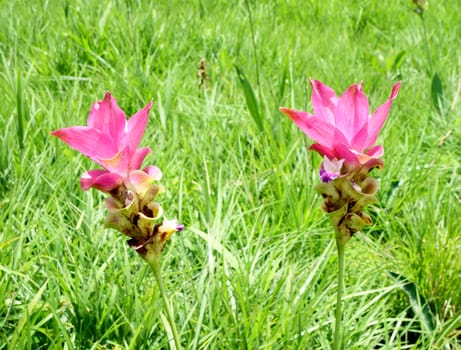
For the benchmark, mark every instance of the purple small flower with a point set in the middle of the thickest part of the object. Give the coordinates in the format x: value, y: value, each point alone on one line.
x: 330, y: 169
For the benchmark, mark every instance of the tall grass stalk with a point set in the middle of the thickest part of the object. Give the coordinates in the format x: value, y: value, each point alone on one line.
x: 154, y: 263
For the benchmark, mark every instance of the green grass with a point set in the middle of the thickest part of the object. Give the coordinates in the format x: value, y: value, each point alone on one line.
x: 255, y: 267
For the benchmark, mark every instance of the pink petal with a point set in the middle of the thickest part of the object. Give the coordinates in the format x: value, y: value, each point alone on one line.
x: 324, y: 133
x: 376, y: 152
x: 324, y: 151
x: 138, y: 157
x: 360, y: 140
x: 298, y: 117
x: 344, y: 152
x: 108, y: 118
x: 352, y: 111
x: 332, y: 166
x: 139, y: 181
x: 101, y: 180
x: 318, y: 130
x: 350, y: 156
x: 88, y: 141
x: 324, y: 101
x: 154, y: 172
x: 371, y: 164
x: 376, y: 122
x: 117, y: 164
x: 136, y: 126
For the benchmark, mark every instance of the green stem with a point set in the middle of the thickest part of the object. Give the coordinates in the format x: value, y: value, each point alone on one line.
x: 154, y: 264
x: 339, y: 294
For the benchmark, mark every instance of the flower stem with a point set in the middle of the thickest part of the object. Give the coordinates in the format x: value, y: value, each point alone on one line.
x: 339, y: 293
x: 154, y: 264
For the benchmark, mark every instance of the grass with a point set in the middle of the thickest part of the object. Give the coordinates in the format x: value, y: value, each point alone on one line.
x: 255, y: 267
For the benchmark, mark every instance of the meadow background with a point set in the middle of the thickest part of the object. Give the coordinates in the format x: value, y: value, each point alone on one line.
x: 256, y: 266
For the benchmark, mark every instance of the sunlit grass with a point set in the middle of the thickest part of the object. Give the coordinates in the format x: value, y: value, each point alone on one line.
x: 255, y: 267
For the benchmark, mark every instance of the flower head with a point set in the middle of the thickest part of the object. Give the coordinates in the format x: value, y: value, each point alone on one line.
x: 109, y: 140
x: 342, y: 126
x: 112, y: 142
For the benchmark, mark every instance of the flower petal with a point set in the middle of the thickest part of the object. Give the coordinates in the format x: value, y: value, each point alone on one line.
x: 88, y: 141
x: 324, y: 101
x: 352, y: 112
x: 108, y: 118
x: 332, y: 166
x: 136, y: 126
x: 376, y: 152
x: 298, y: 117
x: 351, y: 156
x: 112, y: 204
x: 139, y: 182
x: 322, y: 150
x: 170, y: 226
x: 101, y: 180
x: 116, y: 164
x: 317, y: 129
x: 138, y: 157
x: 376, y: 122
x: 154, y: 172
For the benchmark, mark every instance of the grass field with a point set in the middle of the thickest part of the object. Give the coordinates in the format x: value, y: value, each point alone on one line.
x: 255, y: 267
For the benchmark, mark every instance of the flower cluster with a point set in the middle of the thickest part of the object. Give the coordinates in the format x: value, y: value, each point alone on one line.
x: 345, y: 135
x: 112, y: 142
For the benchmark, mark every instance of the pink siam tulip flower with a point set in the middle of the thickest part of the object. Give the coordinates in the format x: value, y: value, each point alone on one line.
x: 345, y: 134
x: 342, y: 126
x: 111, y: 141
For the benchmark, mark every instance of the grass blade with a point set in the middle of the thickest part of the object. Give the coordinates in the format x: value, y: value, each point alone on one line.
x: 228, y: 257
x: 250, y: 99
x: 417, y: 301
x: 437, y: 92
x: 25, y: 317
x: 20, y: 108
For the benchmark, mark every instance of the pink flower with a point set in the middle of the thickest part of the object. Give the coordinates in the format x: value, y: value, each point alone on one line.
x: 342, y: 126
x: 109, y: 140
